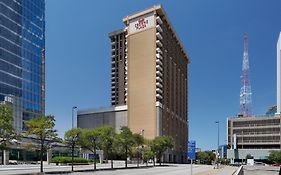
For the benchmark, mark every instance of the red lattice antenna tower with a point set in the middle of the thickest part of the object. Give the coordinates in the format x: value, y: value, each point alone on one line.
x: 245, y: 92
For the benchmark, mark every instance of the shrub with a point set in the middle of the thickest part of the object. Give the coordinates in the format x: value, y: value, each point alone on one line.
x: 59, y: 159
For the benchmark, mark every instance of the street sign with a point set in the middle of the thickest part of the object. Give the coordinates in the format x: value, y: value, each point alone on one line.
x: 191, y: 149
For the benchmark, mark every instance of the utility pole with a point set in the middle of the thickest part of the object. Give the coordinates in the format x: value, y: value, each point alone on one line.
x: 217, y: 156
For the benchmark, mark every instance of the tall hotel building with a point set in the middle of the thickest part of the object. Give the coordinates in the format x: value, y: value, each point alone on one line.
x: 149, y: 83
x: 22, y: 58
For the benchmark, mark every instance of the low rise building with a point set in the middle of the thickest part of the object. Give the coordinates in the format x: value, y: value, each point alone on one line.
x: 255, y: 136
x: 93, y: 118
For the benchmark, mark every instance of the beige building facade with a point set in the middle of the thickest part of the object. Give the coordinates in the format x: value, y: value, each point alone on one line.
x: 256, y: 135
x: 149, y: 75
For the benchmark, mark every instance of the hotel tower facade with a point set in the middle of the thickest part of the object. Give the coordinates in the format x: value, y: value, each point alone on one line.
x: 149, y: 81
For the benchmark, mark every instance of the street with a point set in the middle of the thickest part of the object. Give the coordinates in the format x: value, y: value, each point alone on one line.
x: 167, y: 169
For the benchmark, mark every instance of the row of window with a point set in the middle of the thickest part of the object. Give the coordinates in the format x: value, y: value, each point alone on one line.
x: 27, y: 91
x: 13, y: 31
x: 27, y: 65
x: 35, y: 58
x: 9, y: 68
x: 15, y: 44
x: 18, y: 12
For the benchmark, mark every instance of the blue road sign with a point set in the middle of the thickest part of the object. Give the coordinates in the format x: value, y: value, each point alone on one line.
x: 191, y: 149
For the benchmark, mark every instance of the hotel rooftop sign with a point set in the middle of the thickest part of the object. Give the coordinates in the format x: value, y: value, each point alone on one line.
x: 141, y: 23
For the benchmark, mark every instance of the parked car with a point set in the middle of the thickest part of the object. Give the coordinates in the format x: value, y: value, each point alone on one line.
x: 276, y: 164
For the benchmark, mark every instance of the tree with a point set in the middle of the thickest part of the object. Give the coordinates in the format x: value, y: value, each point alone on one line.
x: 71, y: 138
x: 147, y: 154
x: 139, y: 140
x: 43, y: 130
x: 275, y: 156
x: 205, y: 157
x: 7, y: 131
x: 126, y: 142
x: 161, y: 144
x: 108, y: 141
x: 201, y: 156
x: 90, y: 140
x: 249, y: 156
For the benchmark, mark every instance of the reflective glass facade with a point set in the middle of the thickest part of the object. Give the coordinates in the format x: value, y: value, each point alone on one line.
x: 22, y: 57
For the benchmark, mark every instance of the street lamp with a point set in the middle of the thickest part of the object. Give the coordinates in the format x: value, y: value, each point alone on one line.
x: 72, y: 146
x: 218, y: 122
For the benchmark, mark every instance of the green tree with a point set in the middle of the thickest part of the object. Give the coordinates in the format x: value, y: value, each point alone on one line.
x: 139, y: 141
x: 43, y: 129
x: 71, y: 138
x: 90, y: 140
x: 7, y: 131
x: 201, y: 156
x: 108, y: 141
x: 126, y: 142
x: 161, y: 144
x: 147, y: 154
x: 249, y: 156
x: 205, y: 157
x: 275, y: 156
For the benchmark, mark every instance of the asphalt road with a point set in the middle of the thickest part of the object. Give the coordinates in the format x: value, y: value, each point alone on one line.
x: 168, y: 169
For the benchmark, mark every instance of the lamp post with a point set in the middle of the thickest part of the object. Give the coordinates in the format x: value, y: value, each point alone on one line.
x: 72, y: 146
x: 217, y: 156
x: 142, y: 134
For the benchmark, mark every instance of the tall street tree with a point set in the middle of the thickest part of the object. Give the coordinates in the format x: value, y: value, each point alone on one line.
x: 161, y: 144
x: 71, y: 138
x: 126, y: 142
x: 139, y: 141
x: 7, y: 131
x: 108, y: 141
x: 89, y: 140
x: 42, y: 128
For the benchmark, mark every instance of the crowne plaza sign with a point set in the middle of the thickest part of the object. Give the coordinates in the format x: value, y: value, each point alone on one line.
x: 141, y: 23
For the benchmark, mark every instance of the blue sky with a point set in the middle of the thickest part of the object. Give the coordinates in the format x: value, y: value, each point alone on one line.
x: 78, y: 56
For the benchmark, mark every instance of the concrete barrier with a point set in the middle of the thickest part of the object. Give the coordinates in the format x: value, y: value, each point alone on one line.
x: 239, y: 171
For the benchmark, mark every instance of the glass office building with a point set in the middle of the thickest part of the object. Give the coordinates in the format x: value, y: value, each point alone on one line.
x: 22, y: 58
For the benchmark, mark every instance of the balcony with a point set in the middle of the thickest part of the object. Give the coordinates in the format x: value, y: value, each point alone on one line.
x: 159, y: 44
x: 159, y: 36
x: 158, y: 84
x: 158, y: 61
x: 158, y: 50
x: 158, y: 67
x: 159, y: 96
x: 158, y: 28
x: 113, y: 42
x: 159, y: 73
x: 159, y: 20
x: 159, y: 79
x: 158, y: 90
x: 159, y: 56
